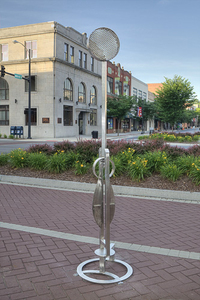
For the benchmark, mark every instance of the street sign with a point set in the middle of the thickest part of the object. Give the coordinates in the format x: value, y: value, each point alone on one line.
x: 18, y: 76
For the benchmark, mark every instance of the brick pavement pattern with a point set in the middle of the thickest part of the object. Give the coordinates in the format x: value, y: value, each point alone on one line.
x: 35, y: 266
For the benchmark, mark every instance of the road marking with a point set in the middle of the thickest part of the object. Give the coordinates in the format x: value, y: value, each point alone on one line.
x: 95, y: 241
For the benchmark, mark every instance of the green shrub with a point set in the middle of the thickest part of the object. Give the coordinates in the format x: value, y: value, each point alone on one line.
x: 156, y: 160
x: 18, y: 158
x: 37, y: 161
x: 185, y: 163
x: 195, y: 172
x: 57, y: 163
x: 5, y: 136
x: 0, y: 135
x: 171, y: 172
x: 3, y: 159
x: 137, y: 169
x: 11, y: 136
x: 81, y: 167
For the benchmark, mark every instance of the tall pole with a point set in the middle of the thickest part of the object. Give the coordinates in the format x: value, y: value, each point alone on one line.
x: 29, y: 95
x: 29, y: 88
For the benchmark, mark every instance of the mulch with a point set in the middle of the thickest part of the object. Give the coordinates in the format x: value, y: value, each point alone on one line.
x: 156, y: 181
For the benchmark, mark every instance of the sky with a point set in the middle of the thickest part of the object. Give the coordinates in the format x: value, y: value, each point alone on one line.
x: 158, y: 38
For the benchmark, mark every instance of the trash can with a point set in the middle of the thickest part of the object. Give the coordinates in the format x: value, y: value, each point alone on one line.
x: 19, y: 130
x: 12, y: 130
x: 95, y: 134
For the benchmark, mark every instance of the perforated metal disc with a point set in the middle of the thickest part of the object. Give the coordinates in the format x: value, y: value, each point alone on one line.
x: 103, y: 44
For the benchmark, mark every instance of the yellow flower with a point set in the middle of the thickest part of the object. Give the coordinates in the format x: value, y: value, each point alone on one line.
x: 134, y: 163
x: 62, y: 151
x: 81, y: 166
x: 77, y: 161
x: 22, y: 158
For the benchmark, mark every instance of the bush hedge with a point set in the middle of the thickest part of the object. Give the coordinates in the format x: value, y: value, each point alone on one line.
x: 137, y: 159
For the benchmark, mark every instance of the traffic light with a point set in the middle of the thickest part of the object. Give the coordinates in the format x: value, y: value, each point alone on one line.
x: 2, y: 71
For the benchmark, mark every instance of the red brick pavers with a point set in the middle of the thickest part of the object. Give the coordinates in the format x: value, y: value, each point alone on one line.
x: 36, y: 266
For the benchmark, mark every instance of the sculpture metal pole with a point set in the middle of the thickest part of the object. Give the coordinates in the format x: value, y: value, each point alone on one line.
x: 104, y: 45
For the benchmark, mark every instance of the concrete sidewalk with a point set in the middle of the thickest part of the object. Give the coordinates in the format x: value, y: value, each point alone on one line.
x: 46, y: 232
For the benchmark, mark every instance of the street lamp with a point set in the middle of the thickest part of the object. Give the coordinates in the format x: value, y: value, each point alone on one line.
x: 29, y: 90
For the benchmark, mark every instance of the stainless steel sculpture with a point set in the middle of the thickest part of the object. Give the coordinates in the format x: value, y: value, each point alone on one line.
x: 104, y: 45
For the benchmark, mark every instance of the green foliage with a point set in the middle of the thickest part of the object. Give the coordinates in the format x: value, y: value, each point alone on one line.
x: 37, y: 161
x: 137, y: 160
x: 119, y: 106
x: 137, y: 168
x: 18, y: 158
x: 185, y: 163
x: 5, y: 136
x: 11, y: 136
x: 121, y: 160
x: 3, y: 159
x: 156, y: 160
x: 57, y: 163
x: 0, y: 135
x: 173, y: 98
x: 171, y: 172
x: 81, y: 167
x: 195, y: 172
x: 172, y: 137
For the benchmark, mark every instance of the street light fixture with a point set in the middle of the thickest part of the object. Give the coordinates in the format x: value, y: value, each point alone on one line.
x: 29, y: 90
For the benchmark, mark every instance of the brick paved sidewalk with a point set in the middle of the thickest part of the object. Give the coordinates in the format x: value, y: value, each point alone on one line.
x: 54, y: 232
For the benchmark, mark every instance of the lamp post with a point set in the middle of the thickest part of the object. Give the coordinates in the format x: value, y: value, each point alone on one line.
x: 29, y: 89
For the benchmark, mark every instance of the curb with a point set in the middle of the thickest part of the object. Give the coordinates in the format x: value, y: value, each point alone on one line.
x: 158, y: 194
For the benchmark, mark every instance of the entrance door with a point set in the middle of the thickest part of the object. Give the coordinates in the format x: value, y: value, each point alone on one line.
x: 80, y: 123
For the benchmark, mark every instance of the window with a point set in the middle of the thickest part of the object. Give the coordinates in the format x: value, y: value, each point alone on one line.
x: 93, y: 95
x: 68, y: 90
x: 33, y: 116
x: 85, y: 61
x: 80, y: 59
x: 81, y: 93
x: 33, y: 84
x: 4, y: 52
x: 4, y: 89
x: 93, y: 118
x: 110, y: 85
x: 92, y: 64
x: 140, y: 94
x: 134, y: 92
x: 4, y: 114
x: 68, y: 115
x: 71, y: 54
x: 120, y: 88
x: 33, y: 46
x: 144, y: 96
x: 126, y: 89
x: 66, y: 52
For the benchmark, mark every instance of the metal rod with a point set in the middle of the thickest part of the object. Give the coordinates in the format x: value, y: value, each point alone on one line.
x: 29, y: 96
x: 104, y: 106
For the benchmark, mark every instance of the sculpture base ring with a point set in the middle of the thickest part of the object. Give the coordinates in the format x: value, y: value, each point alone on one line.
x: 115, y: 279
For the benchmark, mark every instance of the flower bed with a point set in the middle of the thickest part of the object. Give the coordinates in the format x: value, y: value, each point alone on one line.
x: 135, y: 160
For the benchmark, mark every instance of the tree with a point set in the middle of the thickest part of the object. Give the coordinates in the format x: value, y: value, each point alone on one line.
x: 118, y: 107
x: 173, y: 98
